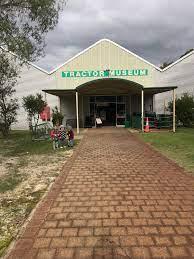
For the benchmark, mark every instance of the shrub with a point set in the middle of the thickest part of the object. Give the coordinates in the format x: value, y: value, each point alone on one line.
x: 184, y: 109
x: 57, y: 117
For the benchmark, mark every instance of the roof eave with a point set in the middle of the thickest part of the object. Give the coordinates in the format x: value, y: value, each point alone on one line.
x: 96, y: 43
x: 178, y: 61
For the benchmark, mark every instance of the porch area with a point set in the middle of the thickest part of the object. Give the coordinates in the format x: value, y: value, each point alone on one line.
x: 117, y: 102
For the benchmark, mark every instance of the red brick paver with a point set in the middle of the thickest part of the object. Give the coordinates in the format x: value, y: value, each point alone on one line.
x: 116, y: 198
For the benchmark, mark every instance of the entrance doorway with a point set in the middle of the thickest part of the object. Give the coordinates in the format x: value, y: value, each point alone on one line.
x: 107, y: 113
x: 111, y: 110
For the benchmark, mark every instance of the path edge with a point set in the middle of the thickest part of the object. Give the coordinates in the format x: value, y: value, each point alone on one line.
x: 47, y: 200
x: 187, y: 173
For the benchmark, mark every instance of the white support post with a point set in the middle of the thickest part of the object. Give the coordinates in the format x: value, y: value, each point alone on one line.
x: 164, y: 106
x: 154, y: 103
x: 59, y: 103
x: 45, y: 97
x: 174, y: 111
x: 83, y: 119
x: 142, y: 110
x: 77, y: 111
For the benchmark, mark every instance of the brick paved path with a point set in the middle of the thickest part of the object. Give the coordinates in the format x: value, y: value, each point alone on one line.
x: 119, y: 199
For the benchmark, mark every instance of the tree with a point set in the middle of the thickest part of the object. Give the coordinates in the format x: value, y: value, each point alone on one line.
x: 184, y: 109
x: 24, y: 24
x: 8, y: 104
x: 34, y: 105
x: 23, y: 27
x: 57, y: 116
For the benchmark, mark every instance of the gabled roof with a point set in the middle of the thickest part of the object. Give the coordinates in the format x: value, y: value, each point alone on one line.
x: 93, y: 45
x: 112, y: 42
x: 179, y: 60
x: 30, y: 63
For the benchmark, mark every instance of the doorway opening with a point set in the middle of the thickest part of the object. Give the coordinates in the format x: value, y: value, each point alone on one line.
x: 107, y: 113
x: 110, y: 109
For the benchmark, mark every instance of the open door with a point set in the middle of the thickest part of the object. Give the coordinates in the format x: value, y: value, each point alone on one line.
x: 120, y: 113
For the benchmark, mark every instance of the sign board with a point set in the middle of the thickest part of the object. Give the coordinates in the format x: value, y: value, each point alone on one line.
x: 105, y: 73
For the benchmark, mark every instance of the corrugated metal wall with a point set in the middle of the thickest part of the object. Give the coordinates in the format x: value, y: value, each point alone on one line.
x: 181, y: 75
x: 32, y: 81
x: 104, y: 55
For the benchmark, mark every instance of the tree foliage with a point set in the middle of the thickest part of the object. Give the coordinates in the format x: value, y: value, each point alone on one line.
x: 57, y: 117
x: 24, y: 24
x: 8, y: 104
x: 184, y: 109
x: 34, y: 105
x: 23, y: 27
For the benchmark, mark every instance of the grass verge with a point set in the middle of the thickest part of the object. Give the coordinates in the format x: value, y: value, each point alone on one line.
x: 177, y: 146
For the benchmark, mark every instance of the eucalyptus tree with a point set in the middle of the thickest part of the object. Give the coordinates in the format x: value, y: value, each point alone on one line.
x: 8, y: 104
x: 25, y: 23
x: 23, y: 27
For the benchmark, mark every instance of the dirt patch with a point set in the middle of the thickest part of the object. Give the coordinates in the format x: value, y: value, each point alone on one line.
x: 24, y: 180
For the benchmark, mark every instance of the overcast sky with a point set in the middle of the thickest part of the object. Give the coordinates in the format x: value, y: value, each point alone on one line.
x: 157, y: 30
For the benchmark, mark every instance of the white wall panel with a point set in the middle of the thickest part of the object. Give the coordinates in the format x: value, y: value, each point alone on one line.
x: 32, y: 81
x: 180, y: 75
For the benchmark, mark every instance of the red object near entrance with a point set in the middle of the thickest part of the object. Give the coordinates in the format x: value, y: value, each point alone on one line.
x: 147, y: 126
x: 45, y: 115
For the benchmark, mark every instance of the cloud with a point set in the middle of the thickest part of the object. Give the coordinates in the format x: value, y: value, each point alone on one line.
x: 157, y: 30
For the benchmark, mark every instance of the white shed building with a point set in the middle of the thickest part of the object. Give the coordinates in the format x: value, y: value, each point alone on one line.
x: 105, y: 80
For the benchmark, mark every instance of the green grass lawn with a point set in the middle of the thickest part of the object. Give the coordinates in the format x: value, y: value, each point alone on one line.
x: 178, y: 146
x: 20, y: 142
